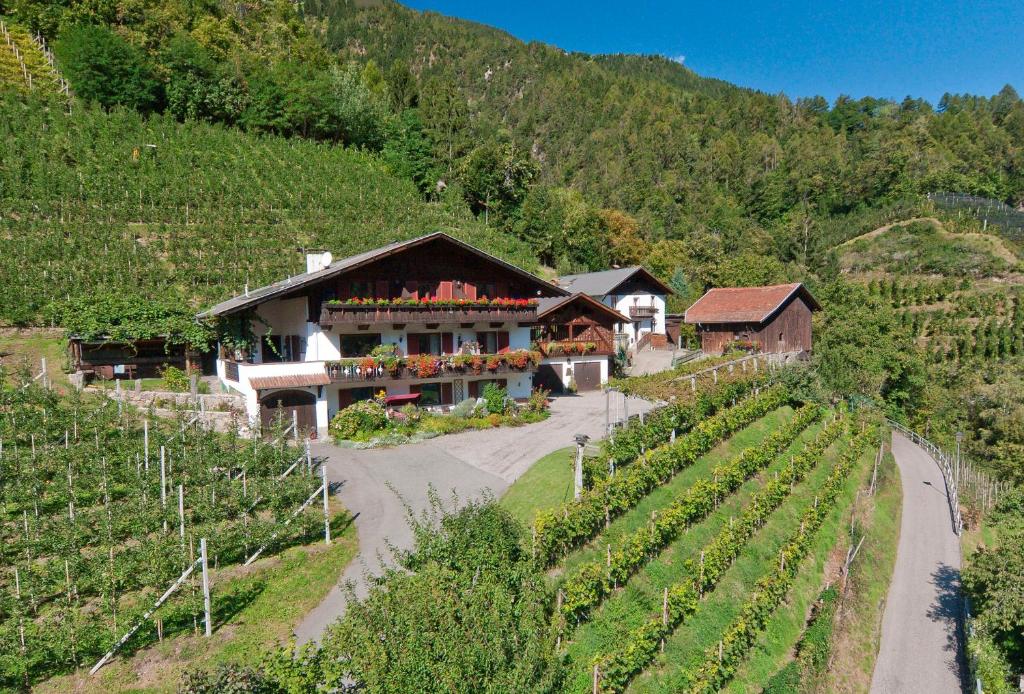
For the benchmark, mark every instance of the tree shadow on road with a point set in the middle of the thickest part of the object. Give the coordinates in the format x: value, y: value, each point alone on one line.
x: 948, y: 609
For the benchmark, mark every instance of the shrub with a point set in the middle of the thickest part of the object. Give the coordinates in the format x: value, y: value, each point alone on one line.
x: 227, y: 679
x: 494, y: 419
x: 538, y: 400
x: 175, y: 380
x: 361, y: 417
x: 465, y: 409
x: 495, y: 398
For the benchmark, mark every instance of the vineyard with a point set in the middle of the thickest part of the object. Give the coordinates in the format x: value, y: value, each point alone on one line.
x: 101, y: 510
x: 151, y: 206
x: 694, y: 521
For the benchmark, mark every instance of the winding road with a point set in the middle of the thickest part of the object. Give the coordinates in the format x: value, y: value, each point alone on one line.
x: 920, y: 649
x: 379, y: 485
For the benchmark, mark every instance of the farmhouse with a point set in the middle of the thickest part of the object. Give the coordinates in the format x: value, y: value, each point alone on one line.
x: 633, y: 292
x: 576, y: 336
x: 431, y: 320
x: 771, y: 319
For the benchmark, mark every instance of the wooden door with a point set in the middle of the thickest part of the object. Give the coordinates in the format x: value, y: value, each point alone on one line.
x: 277, y: 408
x: 588, y: 376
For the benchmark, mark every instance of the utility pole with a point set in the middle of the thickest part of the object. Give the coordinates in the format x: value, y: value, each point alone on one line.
x: 581, y: 441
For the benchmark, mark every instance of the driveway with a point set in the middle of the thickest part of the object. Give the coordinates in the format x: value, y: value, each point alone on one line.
x: 920, y: 649
x: 378, y: 485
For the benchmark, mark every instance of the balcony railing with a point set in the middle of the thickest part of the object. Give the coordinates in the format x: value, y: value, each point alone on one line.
x: 569, y: 348
x: 430, y: 366
x: 361, y: 314
x: 642, y: 311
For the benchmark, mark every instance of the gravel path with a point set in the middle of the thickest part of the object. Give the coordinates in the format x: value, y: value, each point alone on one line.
x: 377, y: 484
x: 920, y: 649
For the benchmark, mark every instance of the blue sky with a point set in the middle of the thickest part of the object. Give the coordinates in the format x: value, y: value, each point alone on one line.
x: 859, y: 47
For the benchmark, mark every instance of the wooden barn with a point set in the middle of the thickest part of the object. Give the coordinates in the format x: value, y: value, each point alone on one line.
x: 771, y: 319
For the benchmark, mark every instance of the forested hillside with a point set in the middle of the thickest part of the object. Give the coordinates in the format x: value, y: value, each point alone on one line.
x: 225, y: 140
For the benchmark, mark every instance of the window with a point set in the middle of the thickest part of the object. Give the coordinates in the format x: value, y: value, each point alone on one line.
x: 425, y: 343
x: 278, y: 348
x: 358, y: 345
x: 433, y: 393
x: 493, y: 342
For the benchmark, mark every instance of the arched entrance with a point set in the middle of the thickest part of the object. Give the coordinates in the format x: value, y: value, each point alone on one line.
x: 276, y: 409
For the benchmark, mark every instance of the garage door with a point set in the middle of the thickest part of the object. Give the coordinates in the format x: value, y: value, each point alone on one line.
x: 588, y: 376
x: 549, y: 377
x: 276, y: 410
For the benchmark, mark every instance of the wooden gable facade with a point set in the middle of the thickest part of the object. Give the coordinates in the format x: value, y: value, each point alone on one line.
x: 578, y: 320
x: 770, y: 319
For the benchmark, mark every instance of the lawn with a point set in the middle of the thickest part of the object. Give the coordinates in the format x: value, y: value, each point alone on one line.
x: 547, y: 483
x: 280, y: 590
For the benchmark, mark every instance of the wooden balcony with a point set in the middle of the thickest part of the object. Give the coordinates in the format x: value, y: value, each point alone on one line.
x: 576, y: 348
x: 354, y: 314
x: 430, y: 366
x: 639, y: 312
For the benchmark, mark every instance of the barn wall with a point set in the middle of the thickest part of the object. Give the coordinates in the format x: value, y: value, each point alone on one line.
x: 792, y: 325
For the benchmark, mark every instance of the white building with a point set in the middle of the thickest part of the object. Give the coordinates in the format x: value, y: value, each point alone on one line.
x: 432, y: 319
x: 633, y: 292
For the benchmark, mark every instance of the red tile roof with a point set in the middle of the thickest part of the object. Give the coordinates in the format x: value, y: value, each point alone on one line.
x: 289, y: 381
x: 744, y: 304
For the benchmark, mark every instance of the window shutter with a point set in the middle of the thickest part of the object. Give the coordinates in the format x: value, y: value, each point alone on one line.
x: 502, y: 342
x: 444, y: 290
x: 413, y: 340
x: 446, y: 393
x: 470, y: 290
x: 447, y: 343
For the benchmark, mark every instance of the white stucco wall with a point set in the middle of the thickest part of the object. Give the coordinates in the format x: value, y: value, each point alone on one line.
x: 623, y: 302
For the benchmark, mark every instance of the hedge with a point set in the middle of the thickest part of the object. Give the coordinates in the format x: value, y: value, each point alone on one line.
x: 556, y: 532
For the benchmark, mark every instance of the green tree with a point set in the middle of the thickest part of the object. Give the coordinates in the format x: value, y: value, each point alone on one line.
x: 105, y: 68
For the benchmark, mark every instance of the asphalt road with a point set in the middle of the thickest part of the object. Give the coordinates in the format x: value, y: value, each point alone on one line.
x: 379, y: 485
x: 920, y: 649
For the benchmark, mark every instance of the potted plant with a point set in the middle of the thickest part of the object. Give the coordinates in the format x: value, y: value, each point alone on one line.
x: 476, y: 363
x: 493, y: 362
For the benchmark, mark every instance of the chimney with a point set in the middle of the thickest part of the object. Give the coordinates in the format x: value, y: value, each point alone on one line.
x: 317, y: 261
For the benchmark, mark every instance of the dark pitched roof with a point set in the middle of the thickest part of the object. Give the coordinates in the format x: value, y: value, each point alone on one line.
x: 605, y: 281
x: 745, y: 304
x: 290, y: 284
x: 549, y: 305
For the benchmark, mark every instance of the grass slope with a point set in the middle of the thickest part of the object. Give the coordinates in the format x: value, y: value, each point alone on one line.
x: 641, y: 597
x: 686, y: 647
x: 820, y: 567
x: 546, y: 484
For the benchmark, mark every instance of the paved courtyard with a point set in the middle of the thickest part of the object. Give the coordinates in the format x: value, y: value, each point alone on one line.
x: 379, y: 485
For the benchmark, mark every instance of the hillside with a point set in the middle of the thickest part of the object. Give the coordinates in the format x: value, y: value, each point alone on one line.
x: 149, y: 206
x: 682, y: 152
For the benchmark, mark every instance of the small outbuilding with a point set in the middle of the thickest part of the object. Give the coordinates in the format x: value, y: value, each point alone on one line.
x: 771, y: 319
